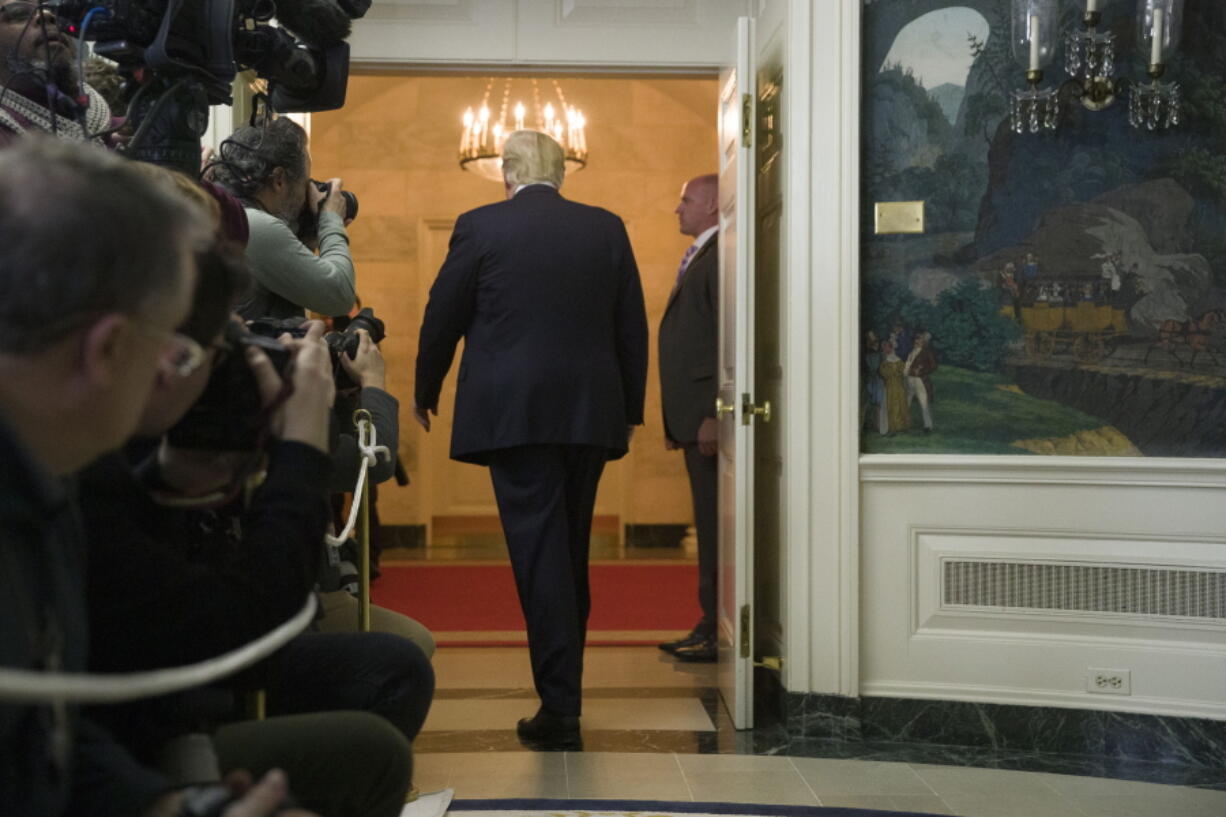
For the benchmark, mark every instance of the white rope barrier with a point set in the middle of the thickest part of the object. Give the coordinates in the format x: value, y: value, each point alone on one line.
x: 368, y: 438
x: 92, y: 688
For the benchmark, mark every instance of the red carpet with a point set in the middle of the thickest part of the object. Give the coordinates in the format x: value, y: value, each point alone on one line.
x: 476, y: 604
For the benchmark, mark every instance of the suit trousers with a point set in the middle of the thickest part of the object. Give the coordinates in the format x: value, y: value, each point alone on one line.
x: 704, y: 488
x: 546, y: 495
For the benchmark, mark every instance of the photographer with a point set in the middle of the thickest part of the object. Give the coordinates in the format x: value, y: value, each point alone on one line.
x: 178, y: 578
x: 269, y: 169
x: 361, y: 378
x: 173, y: 584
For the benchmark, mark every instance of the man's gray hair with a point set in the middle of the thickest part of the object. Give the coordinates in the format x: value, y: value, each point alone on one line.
x: 82, y: 235
x: 531, y: 157
x: 247, y: 159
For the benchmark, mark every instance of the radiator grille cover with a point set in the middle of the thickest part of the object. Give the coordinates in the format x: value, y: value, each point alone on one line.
x: 1084, y: 588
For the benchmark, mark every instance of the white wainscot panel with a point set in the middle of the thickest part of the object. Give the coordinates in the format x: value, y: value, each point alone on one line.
x: 435, y: 31
x: 1006, y: 581
x: 650, y: 33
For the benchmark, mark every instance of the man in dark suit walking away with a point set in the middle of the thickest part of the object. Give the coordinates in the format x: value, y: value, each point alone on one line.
x: 547, y: 296
x: 689, y: 352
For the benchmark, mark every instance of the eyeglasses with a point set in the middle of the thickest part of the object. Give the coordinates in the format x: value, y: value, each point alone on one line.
x: 21, y: 11
x: 181, y: 355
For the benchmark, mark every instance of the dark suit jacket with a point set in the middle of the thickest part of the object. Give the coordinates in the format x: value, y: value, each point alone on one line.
x: 546, y: 294
x: 689, y: 347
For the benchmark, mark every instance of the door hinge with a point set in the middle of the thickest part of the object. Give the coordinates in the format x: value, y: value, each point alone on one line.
x: 745, y: 631
x: 747, y: 120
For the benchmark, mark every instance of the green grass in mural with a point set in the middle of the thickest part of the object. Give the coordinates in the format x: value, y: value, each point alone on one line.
x: 972, y: 415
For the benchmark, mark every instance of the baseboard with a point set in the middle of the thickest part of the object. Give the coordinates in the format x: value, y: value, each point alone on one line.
x: 1125, y: 736
x: 655, y: 536
x: 403, y: 536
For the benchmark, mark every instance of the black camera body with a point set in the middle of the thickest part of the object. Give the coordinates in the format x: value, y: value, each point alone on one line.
x: 342, y: 342
x: 230, y: 416
x: 351, y: 201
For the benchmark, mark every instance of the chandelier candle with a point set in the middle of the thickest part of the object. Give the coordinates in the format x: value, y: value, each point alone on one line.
x: 1155, y: 47
x: 1034, y: 42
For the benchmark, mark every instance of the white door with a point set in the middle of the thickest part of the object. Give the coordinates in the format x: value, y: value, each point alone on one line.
x: 736, y: 376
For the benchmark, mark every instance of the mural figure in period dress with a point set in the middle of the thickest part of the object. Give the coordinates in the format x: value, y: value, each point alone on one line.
x: 874, y: 387
x: 920, y: 365
x: 897, y: 408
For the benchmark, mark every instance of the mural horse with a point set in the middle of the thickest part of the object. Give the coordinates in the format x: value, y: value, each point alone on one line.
x: 1196, y: 334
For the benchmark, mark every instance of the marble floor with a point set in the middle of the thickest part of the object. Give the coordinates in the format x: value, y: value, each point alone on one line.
x: 656, y: 729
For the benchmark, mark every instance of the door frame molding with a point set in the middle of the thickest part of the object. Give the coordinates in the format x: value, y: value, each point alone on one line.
x: 822, y: 88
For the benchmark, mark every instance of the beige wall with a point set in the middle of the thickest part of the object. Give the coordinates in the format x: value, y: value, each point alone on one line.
x: 395, y: 144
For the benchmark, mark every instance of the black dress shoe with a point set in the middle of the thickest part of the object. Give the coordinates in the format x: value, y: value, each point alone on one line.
x: 704, y: 652
x: 690, y: 640
x: 547, y: 731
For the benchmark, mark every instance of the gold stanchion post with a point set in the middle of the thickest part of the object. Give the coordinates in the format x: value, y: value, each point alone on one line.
x: 363, y: 531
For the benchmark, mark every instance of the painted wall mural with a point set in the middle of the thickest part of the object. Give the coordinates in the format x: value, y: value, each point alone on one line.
x: 1069, y: 294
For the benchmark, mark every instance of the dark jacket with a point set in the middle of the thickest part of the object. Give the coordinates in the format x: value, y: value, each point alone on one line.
x: 689, y: 347
x: 43, y: 624
x: 169, y: 586
x: 346, y: 456
x: 546, y: 294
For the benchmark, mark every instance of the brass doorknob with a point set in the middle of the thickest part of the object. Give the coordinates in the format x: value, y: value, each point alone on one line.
x: 722, y: 408
x: 749, y: 411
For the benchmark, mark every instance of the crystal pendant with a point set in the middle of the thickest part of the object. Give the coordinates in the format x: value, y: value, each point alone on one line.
x: 1034, y: 110
x: 1154, y: 105
x: 1090, y: 54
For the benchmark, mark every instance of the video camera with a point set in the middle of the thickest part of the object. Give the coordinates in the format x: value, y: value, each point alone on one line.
x: 181, y: 56
x: 230, y: 415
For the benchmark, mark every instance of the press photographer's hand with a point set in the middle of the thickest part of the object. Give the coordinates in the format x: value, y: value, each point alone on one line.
x: 367, y: 368
x: 334, y: 202
x: 304, y: 415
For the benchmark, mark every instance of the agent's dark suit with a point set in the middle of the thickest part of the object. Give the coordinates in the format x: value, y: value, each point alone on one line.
x: 546, y: 294
x: 689, y: 352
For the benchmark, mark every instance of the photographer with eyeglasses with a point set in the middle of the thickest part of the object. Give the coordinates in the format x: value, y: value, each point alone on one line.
x: 208, y: 536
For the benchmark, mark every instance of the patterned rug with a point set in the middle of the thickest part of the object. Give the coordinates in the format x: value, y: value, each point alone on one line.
x: 650, y: 808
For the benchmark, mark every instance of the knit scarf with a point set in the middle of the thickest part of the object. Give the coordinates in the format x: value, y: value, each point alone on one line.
x: 20, y: 115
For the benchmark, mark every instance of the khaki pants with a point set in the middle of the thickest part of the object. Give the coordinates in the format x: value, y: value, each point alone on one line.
x: 339, y: 764
x: 340, y: 615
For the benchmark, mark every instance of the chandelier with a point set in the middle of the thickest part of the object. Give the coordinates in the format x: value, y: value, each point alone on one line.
x: 485, y: 131
x: 1090, y: 61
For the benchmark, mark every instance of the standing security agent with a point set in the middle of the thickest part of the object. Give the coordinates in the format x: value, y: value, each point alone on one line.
x: 689, y: 352
x: 547, y: 296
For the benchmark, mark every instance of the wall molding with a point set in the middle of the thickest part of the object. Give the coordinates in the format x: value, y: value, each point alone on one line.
x: 1138, y: 472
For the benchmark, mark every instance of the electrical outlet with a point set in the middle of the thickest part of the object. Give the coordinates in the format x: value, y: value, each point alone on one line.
x: 1109, y: 681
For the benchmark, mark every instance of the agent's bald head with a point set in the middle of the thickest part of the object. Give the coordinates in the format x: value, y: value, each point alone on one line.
x: 698, y: 209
